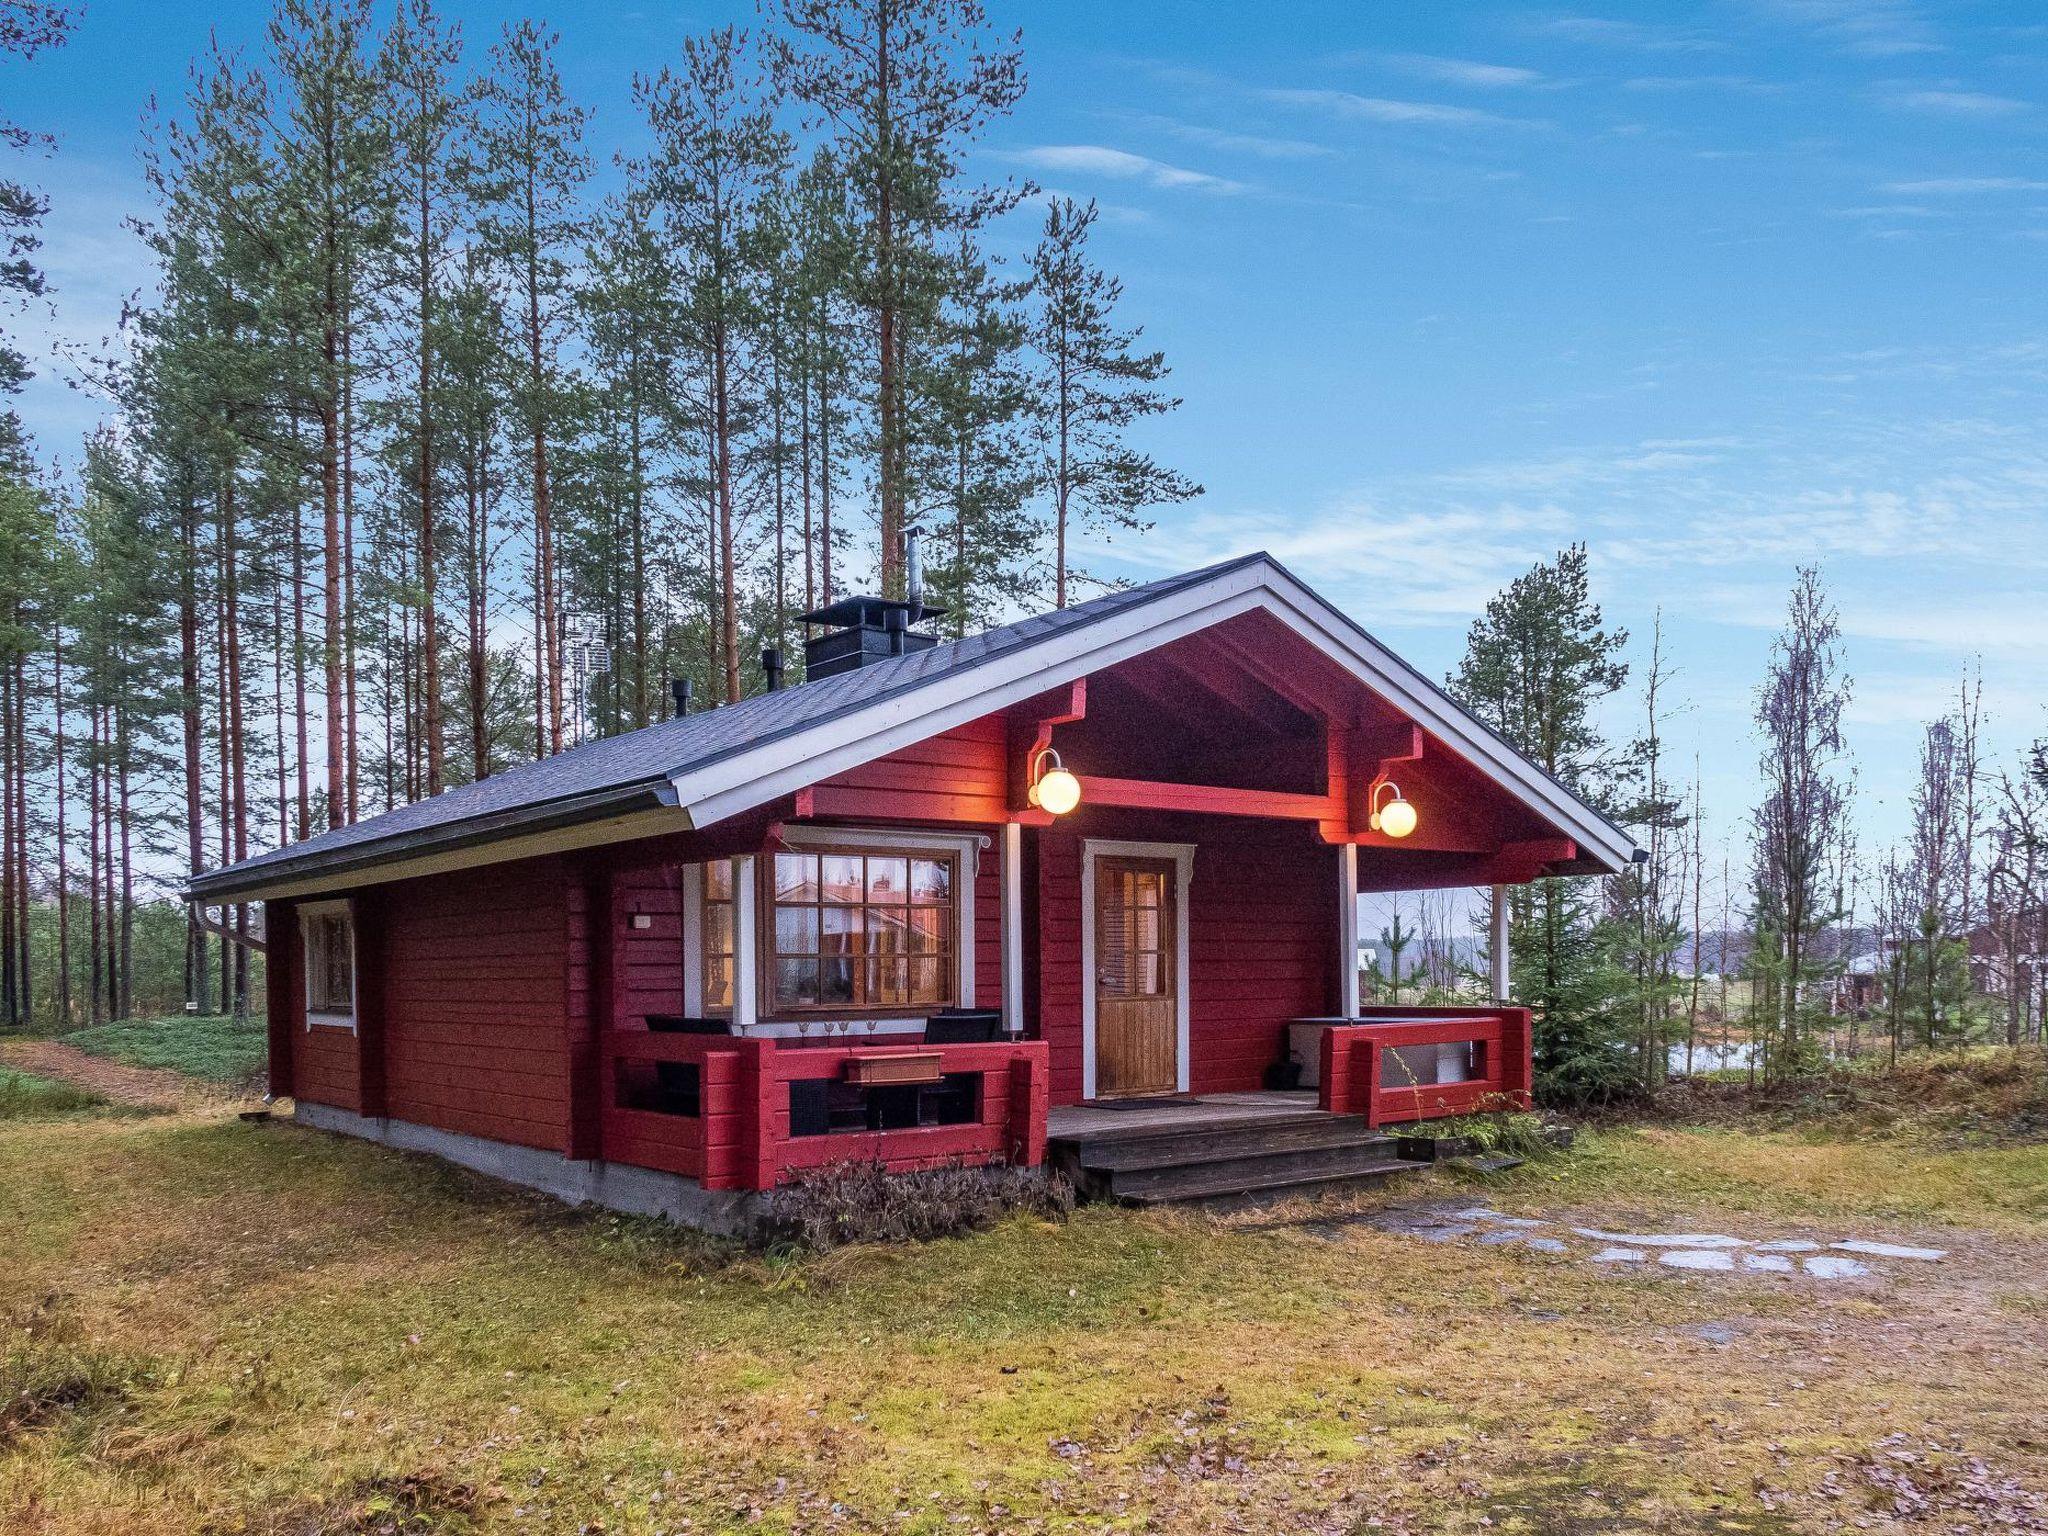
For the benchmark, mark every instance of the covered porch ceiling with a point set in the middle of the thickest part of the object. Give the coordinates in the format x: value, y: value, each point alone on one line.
x: 1245, y: 718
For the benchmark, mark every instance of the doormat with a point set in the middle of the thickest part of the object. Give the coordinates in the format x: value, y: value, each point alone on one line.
x: 1164, y: 1101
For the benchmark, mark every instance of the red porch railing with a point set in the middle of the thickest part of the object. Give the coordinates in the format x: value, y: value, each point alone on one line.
x: 718, y: 1109
x: 1384, y: 1065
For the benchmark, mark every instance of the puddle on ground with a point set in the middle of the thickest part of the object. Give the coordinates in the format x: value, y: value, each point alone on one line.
x: 1694, y: 1252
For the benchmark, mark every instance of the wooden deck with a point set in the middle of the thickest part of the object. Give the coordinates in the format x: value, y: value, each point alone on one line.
x: 1180, y: 1112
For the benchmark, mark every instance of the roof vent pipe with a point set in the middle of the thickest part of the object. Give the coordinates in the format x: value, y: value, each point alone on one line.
x: 679, y: 689
x: 895, y: 623
x: 913, y: 575
x: 771, y: 664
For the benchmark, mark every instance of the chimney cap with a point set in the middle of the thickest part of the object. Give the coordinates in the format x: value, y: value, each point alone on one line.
x: 870, y: 611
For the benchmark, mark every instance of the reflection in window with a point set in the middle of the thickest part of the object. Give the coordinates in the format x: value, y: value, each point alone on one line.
x: 854, y: 930
x: 330, y: 965
x: 718, y: 942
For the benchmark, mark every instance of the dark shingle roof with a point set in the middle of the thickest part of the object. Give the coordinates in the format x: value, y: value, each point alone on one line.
x: 639, y: 763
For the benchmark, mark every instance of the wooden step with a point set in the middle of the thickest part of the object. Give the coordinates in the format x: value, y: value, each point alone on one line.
x: 1239, y: 1191
x: 1326, y: 1135
x: 1254, y: 1167
x: 1099, y: 1148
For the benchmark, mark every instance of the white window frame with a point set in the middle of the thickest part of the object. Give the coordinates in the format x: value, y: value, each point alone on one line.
x: 965, y: 848
x: 1183, y: 857
x: 327, y: 1020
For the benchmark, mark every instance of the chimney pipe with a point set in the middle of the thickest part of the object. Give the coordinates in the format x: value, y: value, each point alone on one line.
x: 895, y: 622
x: 771, y: 663
x: 913, y: 568
x: 679, y: 689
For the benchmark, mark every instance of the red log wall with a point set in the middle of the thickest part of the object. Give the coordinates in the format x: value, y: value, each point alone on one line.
x: 1262, y: 939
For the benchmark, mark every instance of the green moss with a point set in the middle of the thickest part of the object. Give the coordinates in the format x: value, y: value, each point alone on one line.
x: 214, y: 1047
x: 23, y: 1097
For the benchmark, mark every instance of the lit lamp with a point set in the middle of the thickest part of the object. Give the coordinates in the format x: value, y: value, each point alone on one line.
x: 1395, y: 817
x: 1053, y: 789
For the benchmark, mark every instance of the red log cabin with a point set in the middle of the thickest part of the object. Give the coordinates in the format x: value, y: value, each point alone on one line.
x: 941, y: 902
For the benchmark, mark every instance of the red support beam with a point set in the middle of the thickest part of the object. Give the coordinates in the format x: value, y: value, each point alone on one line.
x: 1062, y: 706
x: 280, y: 991
x: 1145, y: 794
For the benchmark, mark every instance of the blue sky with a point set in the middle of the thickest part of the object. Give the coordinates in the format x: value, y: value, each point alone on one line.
x: 1717, y: 287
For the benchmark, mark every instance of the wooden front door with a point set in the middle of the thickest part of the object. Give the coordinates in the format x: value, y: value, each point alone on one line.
x: 1137, y: 981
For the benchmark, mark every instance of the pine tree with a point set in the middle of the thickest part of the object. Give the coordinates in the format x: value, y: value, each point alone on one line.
x: 973, y: 470
x: 1537, y: 664
x: 531, y: 169
x: 1095, y: 388
x: 428, y: 120
x: 906, y: 87
x: 1800, y: 830
x: 718, y: 156
x: 27, y: 27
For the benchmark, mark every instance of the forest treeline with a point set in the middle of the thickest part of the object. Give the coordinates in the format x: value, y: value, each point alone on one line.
x: 448, y: 433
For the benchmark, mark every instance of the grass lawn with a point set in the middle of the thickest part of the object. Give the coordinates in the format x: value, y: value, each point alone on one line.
x: 24, y: 1096
x: 213, y: 1047
x: 223, y: 1326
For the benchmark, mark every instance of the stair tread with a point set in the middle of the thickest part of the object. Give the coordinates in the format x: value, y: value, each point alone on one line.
x: 1339, y: 1136
x: 1279, y: 1120
x: 1197, y: 1190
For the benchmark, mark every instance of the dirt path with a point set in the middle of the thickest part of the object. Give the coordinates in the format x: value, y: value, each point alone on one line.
x: 145, y: 1087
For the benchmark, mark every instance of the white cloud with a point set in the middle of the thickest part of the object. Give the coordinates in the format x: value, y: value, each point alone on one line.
x: 1963, y: 186
x: 1633, y: 35
x: 1971, y: 104
x: 1264, y: 146
x: 1100, y: 160
x: 1464, y: 72
x: 1874, y: 28
x: 1748, y: 84
x: 1349, y: 107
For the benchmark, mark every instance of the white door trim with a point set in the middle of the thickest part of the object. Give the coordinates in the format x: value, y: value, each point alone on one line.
x: 1183, y: 857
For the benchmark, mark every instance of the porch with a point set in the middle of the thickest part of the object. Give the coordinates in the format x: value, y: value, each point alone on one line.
x: 749, y: 1113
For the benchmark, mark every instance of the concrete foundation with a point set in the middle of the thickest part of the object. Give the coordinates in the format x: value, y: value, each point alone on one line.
x: 616, y: 1186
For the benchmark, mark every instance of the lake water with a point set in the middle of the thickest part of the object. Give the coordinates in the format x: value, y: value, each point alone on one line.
x: 1711, y: 1056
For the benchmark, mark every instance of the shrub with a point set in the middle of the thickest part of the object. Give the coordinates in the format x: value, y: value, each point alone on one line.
x: 865, y: 1203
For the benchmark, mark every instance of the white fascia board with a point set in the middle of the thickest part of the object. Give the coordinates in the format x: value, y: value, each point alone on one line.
x: 789, y: 763
x: 1398, y: 683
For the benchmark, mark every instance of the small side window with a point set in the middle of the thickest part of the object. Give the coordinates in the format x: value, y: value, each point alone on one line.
x: 328, y: 944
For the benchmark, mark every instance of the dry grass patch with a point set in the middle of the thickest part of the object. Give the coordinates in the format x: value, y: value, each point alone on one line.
x: 312, y: 1334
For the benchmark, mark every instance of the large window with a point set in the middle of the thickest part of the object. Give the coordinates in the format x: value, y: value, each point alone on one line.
x: 865, y: 930
x: 329, y: 949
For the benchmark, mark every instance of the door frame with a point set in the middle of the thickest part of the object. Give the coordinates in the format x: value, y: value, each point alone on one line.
x: 1182, y: 857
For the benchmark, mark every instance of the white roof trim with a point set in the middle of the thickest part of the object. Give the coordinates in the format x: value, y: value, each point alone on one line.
x: 727, y: 786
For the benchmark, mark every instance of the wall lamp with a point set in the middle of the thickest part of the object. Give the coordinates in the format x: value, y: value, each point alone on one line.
x: 1052, y: 789
x: 1395, y: 817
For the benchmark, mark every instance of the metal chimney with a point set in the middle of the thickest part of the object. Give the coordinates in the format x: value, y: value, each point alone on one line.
x: 771, y: 664
x: 896, y: 625
x: 679, y: 689
x: 913, y: 575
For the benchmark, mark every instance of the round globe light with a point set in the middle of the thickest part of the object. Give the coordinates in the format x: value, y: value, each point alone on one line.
x: 1397, y: 818
x: 1057, y: 791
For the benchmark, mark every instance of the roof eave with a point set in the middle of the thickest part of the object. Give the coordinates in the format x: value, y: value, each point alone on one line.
x: 239, y: 883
